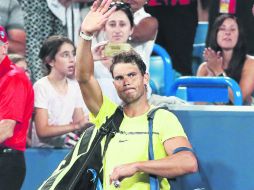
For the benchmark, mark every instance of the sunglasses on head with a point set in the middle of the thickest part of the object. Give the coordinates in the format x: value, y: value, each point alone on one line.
x: 120, y: 4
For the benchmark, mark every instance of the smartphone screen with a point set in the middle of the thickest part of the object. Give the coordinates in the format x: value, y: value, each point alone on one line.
x: 112, y: 49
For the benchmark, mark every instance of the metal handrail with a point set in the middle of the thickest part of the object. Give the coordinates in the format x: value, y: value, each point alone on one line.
x: 209, y: 82
x: 168, y: 70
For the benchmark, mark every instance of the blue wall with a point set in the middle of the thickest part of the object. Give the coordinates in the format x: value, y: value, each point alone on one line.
x: 224, y: 144
x: 40, y: 164
x: 222, y: 136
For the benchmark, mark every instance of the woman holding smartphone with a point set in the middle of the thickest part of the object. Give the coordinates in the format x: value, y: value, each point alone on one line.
x: 117, y: 30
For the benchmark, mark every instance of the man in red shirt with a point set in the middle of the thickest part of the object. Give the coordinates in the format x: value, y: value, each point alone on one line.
x: 16, y: 106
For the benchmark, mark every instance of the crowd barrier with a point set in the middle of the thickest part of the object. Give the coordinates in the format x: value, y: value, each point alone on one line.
x: 222, y: 137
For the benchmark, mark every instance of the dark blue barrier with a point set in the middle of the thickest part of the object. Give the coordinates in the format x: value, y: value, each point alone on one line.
x: 40, y: 164
x: 222, y: 137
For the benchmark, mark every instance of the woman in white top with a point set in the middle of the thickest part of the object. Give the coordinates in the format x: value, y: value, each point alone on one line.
x: 117, y: 30
x: 145, y: 28
x: 58, y: 100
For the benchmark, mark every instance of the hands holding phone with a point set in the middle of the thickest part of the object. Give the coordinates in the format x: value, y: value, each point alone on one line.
x: 105, y: 50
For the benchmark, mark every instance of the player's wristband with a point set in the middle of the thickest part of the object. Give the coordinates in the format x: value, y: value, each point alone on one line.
x: 85, y: 36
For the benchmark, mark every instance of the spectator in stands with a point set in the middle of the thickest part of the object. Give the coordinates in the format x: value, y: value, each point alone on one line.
x: 40, y: 23
x: 16, y: 107
x: 203, y: 6
x: 117, y: 30
x: 226, y: 55
x: 242, y: 9
x: 46, y: 18
x: 20, y: 61
x: 11, y: 17
x: 177, y: 25
x: 69, y: 12
x: 59, y: 105
x: 144, y: 31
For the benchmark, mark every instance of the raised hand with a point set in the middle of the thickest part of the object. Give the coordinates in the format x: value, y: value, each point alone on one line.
x: 97, y: 16
x: 214, y: 61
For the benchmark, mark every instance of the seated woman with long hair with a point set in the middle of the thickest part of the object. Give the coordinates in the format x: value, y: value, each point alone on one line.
x: 226, y: 55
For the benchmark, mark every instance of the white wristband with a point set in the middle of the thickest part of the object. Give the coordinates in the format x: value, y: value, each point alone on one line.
x: 85, y: 36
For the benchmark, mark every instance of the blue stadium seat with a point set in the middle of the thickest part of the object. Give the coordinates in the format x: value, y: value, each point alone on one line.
x: 199, y: 45
x: 161, y: 71
x: 206, y: 89
x: 201, y: 33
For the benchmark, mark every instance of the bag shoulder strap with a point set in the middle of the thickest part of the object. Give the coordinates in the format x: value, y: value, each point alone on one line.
x: 117, y: 119
x: 111, y: 126
x: 151, y: 113
x: 150, y: 117
x: 154, y: 183
x: 113, y: 122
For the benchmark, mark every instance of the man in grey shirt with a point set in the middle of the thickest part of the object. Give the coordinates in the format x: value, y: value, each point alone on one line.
x: 11, y: 17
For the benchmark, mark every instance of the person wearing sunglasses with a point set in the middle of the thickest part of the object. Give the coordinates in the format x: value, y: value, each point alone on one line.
x: 144, y: 29
x: 116, y: 30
